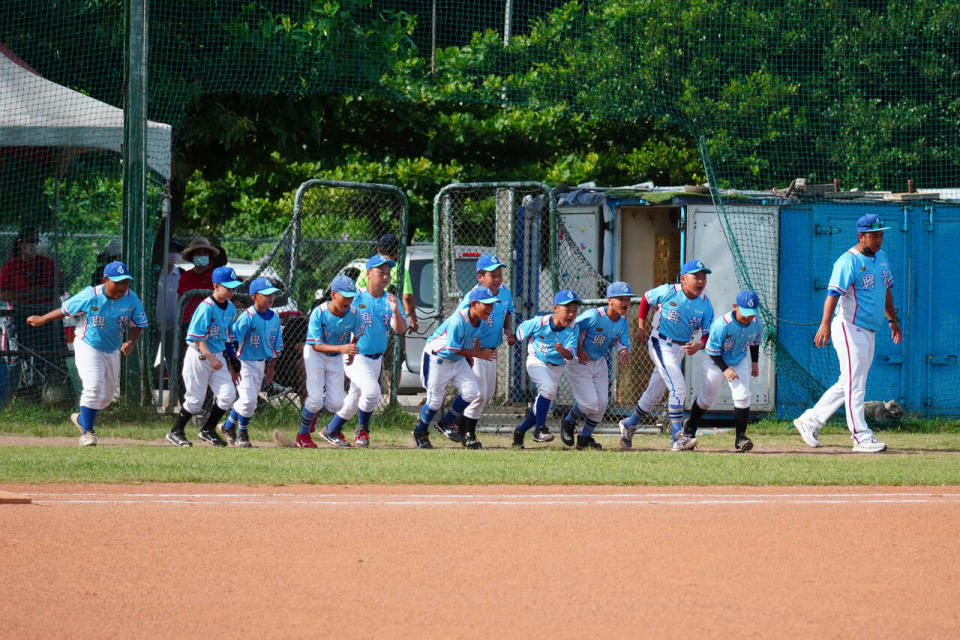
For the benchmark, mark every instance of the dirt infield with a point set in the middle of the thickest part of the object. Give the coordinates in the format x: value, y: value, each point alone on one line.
x: 479, y: 562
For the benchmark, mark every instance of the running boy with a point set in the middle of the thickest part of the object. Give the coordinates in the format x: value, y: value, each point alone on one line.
x: 331, y: 333
x: 601, y: 331
x: 731, y: 336
x: 682, y: 311
x: 446, y: 359
x: 259, y: 339
x: 554, y: 341
x: 206, y: 362
x: 106, y: 309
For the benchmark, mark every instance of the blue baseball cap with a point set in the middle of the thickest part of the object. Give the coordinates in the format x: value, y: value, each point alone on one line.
x: 747, y: 303
x: 488, y: 262
x: 226, y: 277
x: 344, y: 286
x: 565, y: 296
x: 117, y: 271
x: 482, y: 294
x: 263, y: 287
x: 378, y: 260
x: 693, y: 266
x: 870, y: 222
x: 617, y: 289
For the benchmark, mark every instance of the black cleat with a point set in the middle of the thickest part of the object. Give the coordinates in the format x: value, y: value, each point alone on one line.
x: 587, y: 442
x: 470, y: 441
x: 448, y: 432
x: 230, y: 435
x: 243, y: 440
x: 211, y: 436
x: 743, y: 444
x: 566, y: 431
x: 178, y: 438
x: 542, y: 434
x: 518, y: 439
x: 422, y: 440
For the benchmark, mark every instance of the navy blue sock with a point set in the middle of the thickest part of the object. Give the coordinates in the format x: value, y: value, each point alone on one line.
x: 575, y: 414
x: 422, y: 428
x: 528, y: 422
x: 427, y: 414
x: 541, y: 408
x: 231, y: 422
x: 363, y: 420
x: 243, y: 422
x: 87, y: 418
x: 336, y: 423
x: 588, y: 428
x: 306, y: 420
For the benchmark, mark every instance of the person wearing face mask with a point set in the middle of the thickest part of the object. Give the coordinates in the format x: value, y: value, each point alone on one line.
x: 201, y: 253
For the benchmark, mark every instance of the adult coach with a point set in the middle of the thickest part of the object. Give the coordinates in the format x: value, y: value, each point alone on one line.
x: 858, y: 301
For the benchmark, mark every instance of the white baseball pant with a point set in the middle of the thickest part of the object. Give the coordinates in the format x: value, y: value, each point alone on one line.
x: 486, y: 373
x: 713, y: 377
x: 198, y: 375
x: 251, y: 379
x: 854, y: 346
x: 436, y: 373
x: 589, y: 383
x: 667, y: 356
x: 99, y: 372
x: 324, y: 380
x: 364, y: 392
x: 545, y: 376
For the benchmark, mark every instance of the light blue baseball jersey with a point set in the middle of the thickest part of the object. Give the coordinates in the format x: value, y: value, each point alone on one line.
x: 491, y: 331
x: 326, y: 328
x: 212, y: 324
x: 862, y: 282
x: 732, y: 340
x: 453, y: 334
x: 258, y: 338
x: 679, y: 317
x: 104, y: 319
x: 544, y: 335
x: 375, y: 317
x: 601, y: 334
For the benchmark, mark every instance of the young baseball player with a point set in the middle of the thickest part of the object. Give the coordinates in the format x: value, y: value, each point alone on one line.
x: 601, y: 330
x: 859, y: 299
x: 379, y: 312
x: 259, y: 338
x: 682, y: 311
x: 206, y: 362
x: 732, y: 335
x: 331, y: 333
x: 445, y: 360
x: 105, y: 311
x: 554, y: 339
x: 492, y: 333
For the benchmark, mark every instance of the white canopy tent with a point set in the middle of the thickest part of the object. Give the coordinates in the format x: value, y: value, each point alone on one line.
x: 35, y: 112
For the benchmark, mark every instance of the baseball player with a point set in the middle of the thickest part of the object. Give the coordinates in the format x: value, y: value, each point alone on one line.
x: 602, y: 330
x: 732, y: 335
x: 331, y: 333
x: 379, y: 312
x: 259, y: 338
x: 105, y: 311
x: 859, y: 298
x: 206, y: 362
x: 446, y: 358
x: 682, y: 310
x: 493, y: 331
x: 554, y: 339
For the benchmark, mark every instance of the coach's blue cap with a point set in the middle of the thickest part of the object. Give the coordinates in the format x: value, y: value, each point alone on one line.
x: 565, y: 296
x: 225, y: 276
x: 693, y: 266
x: 263, y: 287
x: 482, y: 294
x: 488, y: 262
x: 747, y: 303
x: 378, y: 260
x: 619, y: 289
x: 870, y: 222
x: 117, y: 271
x: 344, y: 286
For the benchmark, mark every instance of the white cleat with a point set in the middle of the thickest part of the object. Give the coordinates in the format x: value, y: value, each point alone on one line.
x: 626, y: 435
x: 88, y: 439
x: 872, y: 445
x: 683, y: 443
x: 806, y: 432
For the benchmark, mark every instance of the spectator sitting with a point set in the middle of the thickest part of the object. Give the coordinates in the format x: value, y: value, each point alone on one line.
x: 201, y: 253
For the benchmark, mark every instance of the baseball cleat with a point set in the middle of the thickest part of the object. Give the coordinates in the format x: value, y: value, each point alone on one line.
x: 243, y: 440
x: 230, y: 435
x: 542, y: 434
x: 336, y: 439
x: 566, y: 431
x: 178, y: 438
x: 587, y: 442
x: 88, y: 439
x: 304, y: 441
x: 362, y: 439
x: 683, y: 443
x: 422, y: 440
x: 872, y: 445
x: 470, y: 441
x: 807, y: 432
x: 518, y: 439
x: 743, y: 444
x: 626, y: 434
x: 211, y: 436
x: 448, y: 432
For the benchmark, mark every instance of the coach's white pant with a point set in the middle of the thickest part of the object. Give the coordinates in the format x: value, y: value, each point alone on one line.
x: 324, y: 380
x: 713, y: 378
x: 667, y: 374
x: 485, y: 372
x: 248, y: 390
x: 364, y: 393
x: 198, y: 375
x: 589, y: 383
x: 854, y: 346
x: 99, y: 372
x: 436, y: 373
x: 545, y: 376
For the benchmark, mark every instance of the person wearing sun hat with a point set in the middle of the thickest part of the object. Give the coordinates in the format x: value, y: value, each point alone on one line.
x: 200, y: 253
x: 105, y: 312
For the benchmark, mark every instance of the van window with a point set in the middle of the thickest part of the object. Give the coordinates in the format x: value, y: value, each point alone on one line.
x: 421, y: 277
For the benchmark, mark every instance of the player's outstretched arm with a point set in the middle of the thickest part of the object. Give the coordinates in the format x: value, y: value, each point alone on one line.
x: 39, y: 321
